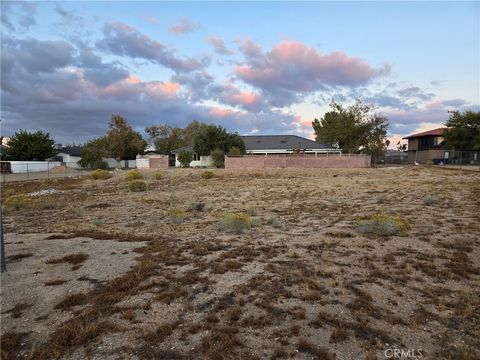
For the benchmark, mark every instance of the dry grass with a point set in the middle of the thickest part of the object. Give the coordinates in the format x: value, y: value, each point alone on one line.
x: 18, y: 257
x: 296, y: 286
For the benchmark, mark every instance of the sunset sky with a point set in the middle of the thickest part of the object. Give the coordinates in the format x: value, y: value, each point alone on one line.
x: 252, y: 67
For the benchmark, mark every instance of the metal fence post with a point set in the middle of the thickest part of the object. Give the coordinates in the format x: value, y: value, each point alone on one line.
x: 3, y: 263
x: 28, y: 178
x: 48, y: 169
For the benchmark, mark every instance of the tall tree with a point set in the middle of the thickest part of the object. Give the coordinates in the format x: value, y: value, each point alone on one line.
x: 463, y: 130
x: 123, y: 142
x: 93, y: 153
x: 166, y: 138
x: 353, y: 129
x: 212, y: 137
x: 26, y: 146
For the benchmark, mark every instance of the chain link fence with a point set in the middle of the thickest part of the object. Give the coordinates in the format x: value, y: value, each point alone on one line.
x: 35, y: 170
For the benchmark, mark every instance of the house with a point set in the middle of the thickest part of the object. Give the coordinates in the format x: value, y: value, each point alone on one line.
x: 395, y: 157
x: 266, y: 145
x: 69, y: 155
x: 428, y: 145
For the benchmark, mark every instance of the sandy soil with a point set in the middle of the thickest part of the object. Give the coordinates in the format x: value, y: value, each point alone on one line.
x: 298, y: 282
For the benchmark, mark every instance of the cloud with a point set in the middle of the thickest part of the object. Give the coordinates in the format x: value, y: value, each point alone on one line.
x: 219, y: 45
x: 290, y: 70
x: 99, y: 72
x: 72, y: 93
x: 36, y: 55
x: 415, y: 92
x: 184, y: 26
x: 17, y: 16
x: 250, y: 49
x: 123, y: 40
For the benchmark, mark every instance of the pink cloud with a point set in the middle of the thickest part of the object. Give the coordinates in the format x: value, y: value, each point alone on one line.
x: 221, y: 112
x: 184, y: 26
x: 293, y: 66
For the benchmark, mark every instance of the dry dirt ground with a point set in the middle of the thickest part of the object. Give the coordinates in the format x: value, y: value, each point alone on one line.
x: 98, y: 271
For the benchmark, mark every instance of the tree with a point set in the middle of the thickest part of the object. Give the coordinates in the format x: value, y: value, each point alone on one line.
x: 166, y: 138
x: 463, y: 130
x: 93, y: 153
x: 26, y: 146
x: 213, y: 137
x: 401, y: 147
x: 218, y: 157
x: 185, y: 158
x: 375, y: 131
x: 235, y: 151
x: 123, y: 142
x: 353, y: 129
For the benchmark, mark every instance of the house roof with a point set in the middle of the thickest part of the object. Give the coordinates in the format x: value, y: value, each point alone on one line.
x: 271, y: 142
x: 433, y: 132
x: 71, y: 150
x: 280, y: 142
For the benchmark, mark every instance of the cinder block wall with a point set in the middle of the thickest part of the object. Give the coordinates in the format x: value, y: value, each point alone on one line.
x: 158, y: 162
x: 300, y: 161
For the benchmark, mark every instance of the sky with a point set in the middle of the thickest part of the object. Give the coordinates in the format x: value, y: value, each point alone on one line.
x: 252, y: 67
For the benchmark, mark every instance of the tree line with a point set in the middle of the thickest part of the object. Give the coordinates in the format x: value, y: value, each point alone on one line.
x: 353, y: 129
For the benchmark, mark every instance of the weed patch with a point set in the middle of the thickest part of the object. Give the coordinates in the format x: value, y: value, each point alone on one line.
x: 137, y: 185
x: 236, y: 223
x: 382, y: 225
x: 134, y: 175
x: 100, y: 174
x: 176, y: 215
x: 18, y: 203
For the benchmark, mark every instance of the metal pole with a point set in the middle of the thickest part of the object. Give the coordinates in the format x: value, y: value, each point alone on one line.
x: 27, y: 172
x: 48, y: 169
x: 3, y: 263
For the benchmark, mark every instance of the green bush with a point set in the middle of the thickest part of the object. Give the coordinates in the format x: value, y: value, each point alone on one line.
x: 428, y: 200
x: 134, y: 175
x: 207, y: 174
x: 429, y: 162
x: 382, y: 225
x: 137, y: 185
x: 157, y: 175
x: 101, y: 174
x: 18, y: 202
x: 185, y: 158
x: 176, y: 215
x: 100, y: 164
x: 236, y: 223
x: 235, y: 151
x: 218, y: 157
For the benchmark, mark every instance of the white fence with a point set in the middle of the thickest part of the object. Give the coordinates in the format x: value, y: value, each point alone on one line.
x: 20, y: 167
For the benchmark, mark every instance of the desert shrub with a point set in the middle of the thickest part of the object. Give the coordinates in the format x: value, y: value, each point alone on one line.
x: 185, y: 158
x: 18, y: 202
x: 236, y: 223
x: 157, y: 175
x: 49, y: 203
x: 176, y: 215
x: 137, y: 185
x: 382, y: 199
x: 429, y: 162
x: 235, y: 151
x: 207, y: 174
x: 275, y: 222
x: 134, y: 175
x: 101, y: 174
x: 218, y: 157
x: 428, y: 200
x: 383, y: 225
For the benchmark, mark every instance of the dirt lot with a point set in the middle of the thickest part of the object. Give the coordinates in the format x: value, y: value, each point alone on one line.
x: 98, y: 271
